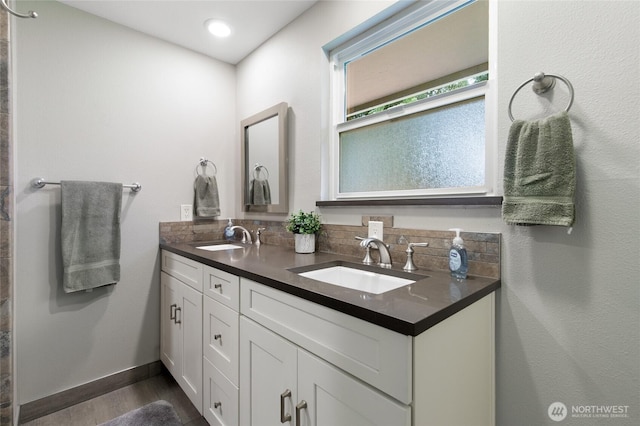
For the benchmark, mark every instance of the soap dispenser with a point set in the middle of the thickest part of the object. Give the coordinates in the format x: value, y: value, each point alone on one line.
x: 228, y: 232
x: 458, y: 261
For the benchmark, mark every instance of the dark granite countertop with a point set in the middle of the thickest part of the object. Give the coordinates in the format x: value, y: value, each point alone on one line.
x: 409, y: 310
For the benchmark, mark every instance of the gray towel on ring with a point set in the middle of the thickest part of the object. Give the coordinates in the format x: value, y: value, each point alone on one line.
x: 540, y: 173
x: 90, y: 234
x: 260, y: 192
x: 206, y: 202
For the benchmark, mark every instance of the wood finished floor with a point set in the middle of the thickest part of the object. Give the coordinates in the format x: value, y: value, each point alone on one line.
x: 118, y: 402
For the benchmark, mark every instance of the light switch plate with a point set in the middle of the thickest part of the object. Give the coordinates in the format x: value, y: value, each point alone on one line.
x: 186, y: 212
x: 375, y: 229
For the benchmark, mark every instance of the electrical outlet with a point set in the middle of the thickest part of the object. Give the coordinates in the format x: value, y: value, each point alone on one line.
x: 186, y: 212
x: 375, y: 229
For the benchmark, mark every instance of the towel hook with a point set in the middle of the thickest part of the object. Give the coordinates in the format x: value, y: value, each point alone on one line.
x: 5, y: 6
x: 542, y: 83
x: 203, y: 165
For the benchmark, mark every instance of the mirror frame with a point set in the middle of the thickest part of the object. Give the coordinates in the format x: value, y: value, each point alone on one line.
x: 280, y: 111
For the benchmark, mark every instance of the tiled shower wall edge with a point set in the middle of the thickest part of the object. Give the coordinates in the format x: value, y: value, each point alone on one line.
x: 6, y: 224
x: 483, y: 248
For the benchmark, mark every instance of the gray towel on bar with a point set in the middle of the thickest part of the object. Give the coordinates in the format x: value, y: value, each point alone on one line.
x: 90, y: 234
x: 539, y: 173
x: 260, y: 192
x: 206, y: 202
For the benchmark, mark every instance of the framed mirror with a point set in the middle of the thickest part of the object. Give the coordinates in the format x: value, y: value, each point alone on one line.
x: 265, y: 161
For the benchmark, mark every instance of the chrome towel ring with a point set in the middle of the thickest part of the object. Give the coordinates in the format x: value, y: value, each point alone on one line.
x: 257, y: 169
x: 203, y: 167
x: 541, y: 84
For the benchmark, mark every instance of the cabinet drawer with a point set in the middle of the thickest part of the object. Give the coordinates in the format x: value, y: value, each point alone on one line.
x: 374, y: 354
x: 186, y: 270
x: 221, y: 337
x: 222, y: 286
x: 220, y: 397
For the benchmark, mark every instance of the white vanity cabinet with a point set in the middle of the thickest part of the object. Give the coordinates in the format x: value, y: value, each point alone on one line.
x: 327, y: 368
x: 181, y: 323
x: 251, y: 355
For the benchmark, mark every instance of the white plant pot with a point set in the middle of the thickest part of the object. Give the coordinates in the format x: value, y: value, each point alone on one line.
x: 305, y: 243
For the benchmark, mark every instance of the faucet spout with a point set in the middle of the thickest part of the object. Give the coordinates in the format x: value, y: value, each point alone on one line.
x: 383, y: 249
x: 246, y: 235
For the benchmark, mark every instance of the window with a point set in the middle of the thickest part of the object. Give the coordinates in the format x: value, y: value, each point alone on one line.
x: 410, y: 103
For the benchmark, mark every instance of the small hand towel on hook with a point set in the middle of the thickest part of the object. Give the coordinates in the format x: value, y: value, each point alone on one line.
x: 206, y: 201
x: 90, y: 234
x: 539, y: 173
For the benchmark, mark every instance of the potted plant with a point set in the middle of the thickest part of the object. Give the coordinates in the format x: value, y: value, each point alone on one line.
x: 304, y: 226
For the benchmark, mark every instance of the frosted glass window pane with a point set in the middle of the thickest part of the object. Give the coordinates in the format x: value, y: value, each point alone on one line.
x: 439, y: 148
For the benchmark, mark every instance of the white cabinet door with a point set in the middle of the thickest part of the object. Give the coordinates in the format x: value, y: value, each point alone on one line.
x: 189, y: 318
x: 181, y: 335
x: 169, y: 332
x: 267, y: 377
x: 276, y: 376
x: 328, y: 397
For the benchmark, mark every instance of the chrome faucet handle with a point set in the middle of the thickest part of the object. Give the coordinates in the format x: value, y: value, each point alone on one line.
x: 410, y: 266
x: 258, y: 233
x: 368, y: 260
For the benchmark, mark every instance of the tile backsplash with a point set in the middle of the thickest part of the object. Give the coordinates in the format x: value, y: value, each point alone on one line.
x: 483, y: 248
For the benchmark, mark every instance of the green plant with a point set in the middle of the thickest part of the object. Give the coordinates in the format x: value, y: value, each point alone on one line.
x: 303, y: 223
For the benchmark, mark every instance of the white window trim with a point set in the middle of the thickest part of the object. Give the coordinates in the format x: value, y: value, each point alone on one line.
x: 413, y: 16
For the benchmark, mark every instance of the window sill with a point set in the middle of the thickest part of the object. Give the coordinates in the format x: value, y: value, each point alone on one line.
x: 442, y: 201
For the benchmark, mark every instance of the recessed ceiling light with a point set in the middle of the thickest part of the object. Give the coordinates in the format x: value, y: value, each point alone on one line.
x: 218, y: 28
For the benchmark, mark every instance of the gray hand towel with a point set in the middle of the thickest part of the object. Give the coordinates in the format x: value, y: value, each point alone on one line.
x: 90, y: 234
x: 260, y: 192
x: 539, y: 173
x: 206, y: 201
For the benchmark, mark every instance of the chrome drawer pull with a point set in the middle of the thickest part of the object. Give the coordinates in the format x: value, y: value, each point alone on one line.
x: 217, y: 336
x: 299, y: 407
x: 172, y: 311
x: 217, y: 404
x: 176, y: 320
x: 284, y: 417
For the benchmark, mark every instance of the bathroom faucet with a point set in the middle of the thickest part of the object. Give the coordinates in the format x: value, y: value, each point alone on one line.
x: 385, y: 255
x: 246, y: 235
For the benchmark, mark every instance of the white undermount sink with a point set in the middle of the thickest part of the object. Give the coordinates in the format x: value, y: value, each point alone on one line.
x: 357, y: 279
x: 218, y: 247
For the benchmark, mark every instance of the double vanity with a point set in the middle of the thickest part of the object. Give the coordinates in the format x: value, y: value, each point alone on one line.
x: 260, y: 335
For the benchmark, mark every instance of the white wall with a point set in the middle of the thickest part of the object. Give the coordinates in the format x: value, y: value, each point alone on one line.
x: 96, y: 101
x: 291, y: 67
x: 568, y: 321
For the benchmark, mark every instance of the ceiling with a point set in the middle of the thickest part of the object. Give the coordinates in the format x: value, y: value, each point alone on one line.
x: 182, y: 21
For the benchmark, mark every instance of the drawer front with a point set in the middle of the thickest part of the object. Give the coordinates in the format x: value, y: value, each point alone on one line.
x: 186, y: 270
x: 222, y: 286
x: 220, y: 397
x: 221, y: 337
x: 374, y: 354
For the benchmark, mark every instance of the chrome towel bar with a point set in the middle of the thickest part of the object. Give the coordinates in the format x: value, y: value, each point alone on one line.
x: 41, y: 182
